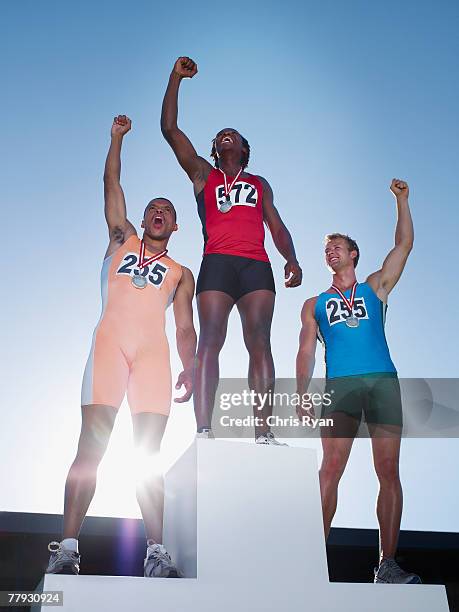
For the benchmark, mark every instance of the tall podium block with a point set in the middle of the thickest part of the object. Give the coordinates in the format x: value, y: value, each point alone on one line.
x: 244, y: 524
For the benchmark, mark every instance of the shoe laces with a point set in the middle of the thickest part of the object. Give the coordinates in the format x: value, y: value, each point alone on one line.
x: 56, y: 548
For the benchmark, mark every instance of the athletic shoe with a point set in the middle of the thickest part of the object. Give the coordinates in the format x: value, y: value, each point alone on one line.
x: 205, y: 434
x: 62, y: 560
x: 390, y: 572
x: 158, y: 563
x: 269, y: 438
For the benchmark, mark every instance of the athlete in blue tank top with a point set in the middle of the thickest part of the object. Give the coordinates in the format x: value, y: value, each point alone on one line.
x: 348, y: 318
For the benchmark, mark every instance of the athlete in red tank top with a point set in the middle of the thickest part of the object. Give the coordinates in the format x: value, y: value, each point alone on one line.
x: 240, y: 233
x: 232, y: 205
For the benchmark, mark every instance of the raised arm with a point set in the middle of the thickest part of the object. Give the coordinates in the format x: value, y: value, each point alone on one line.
x: 306, y: 357
x: 185, y: 334
x: 384, y: 280
x: 281, y: 237
x: 119, y: 228
x: 196, y: 167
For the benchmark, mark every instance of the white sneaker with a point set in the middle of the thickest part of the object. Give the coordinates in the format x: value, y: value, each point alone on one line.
x: 268, y: 438
x: 158, y: 563
x: 62, y: 560
x: 205, y: 434
x: 390, y: 572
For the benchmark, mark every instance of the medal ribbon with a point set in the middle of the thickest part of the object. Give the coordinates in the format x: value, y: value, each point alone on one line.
x: 143, y: 263
x: 349, y: 303
x: 228, y: 191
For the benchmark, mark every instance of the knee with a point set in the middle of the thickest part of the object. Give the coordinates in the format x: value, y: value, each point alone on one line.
x: 332, y: 467
x: 387, y: 470
x: 258, y: 340
x: 91, y: 449
x: 211, y: 340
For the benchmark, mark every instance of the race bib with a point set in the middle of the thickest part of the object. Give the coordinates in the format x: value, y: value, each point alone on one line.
x: 338, y: 312
x: 155, y: 273
x: 242, y: 194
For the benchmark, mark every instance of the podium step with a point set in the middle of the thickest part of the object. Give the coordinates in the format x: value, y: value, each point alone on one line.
x: 244, y: 524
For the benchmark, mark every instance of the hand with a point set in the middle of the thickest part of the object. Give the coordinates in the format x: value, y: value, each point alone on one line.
x: 399, y: 188
x: 185, y: 379
x: 293, y: 273
x: 302, y: 412
x: 121, y: 125
x: 185, y: 67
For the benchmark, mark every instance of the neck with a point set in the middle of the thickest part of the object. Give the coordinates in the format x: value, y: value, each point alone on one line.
x: 154, y: 245
x: 229, y: 163
x: 344, y: 279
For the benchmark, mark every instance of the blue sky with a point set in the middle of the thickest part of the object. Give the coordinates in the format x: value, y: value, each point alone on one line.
x: 335, y: 100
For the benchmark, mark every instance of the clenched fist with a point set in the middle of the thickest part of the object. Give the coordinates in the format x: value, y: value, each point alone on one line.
x: 185, y: 67
x: 121, y: 125
x: 399, y: 188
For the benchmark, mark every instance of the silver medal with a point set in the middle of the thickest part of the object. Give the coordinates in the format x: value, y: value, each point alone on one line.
x: 139, y: 282
x: 352, y: 321
x: 226, y: 206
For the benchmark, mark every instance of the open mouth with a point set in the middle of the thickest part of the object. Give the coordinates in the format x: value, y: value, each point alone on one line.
x: 158, y: 222
x: 227, y: 140
x: 333, y: 259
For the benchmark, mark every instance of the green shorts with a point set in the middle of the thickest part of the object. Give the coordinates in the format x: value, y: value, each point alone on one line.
x: 376, y: 396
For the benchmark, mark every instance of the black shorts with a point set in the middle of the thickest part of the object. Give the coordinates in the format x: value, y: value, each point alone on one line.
x: 234, y: 275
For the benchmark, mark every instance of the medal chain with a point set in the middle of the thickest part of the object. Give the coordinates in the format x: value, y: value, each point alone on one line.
x: 349, y: 303
x: 228, y: 191
x: 143, y: 263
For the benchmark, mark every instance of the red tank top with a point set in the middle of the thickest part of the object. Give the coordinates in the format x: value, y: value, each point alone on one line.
x: 239, y: 231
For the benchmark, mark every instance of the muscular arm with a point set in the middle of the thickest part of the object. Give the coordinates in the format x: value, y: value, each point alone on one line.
x: 196, y: 167
x: 281, y: 236
x: 185, y: 334
x: 119, y: 228
x: 384, y: 280
x: 305, y: 359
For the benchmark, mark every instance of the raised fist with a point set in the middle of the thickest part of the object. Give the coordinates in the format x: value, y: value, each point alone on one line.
x: 399, y: 188
x: 121, y: 125
x: 185, y: 67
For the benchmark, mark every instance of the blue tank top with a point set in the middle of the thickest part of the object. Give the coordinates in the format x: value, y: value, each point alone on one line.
x: 353, y: 351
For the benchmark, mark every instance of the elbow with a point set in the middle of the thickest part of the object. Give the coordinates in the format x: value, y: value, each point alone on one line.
x: 167, y: 130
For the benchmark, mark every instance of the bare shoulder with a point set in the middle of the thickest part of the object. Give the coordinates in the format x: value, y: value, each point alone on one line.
x: 187, y: 279
x: 374, y: 280
x: 307, y: 312
x: 263, y: 181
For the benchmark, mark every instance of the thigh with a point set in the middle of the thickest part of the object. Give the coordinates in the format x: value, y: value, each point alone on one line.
x: 256, y: 311
x: 218, y: 274
x: 106, y: 373
x: 347, y: 402
x: 214, y: 308
x: 149, y: 388
x: 336, y: 452
x: 96, y: 427
x: 386, y: 452
x: 384, y: 411
x: 254, y: 275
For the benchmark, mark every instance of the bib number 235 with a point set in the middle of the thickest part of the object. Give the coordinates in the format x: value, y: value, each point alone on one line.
x: 155, y: 273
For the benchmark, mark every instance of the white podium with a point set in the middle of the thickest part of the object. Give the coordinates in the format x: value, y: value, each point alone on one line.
x: 244, y: 524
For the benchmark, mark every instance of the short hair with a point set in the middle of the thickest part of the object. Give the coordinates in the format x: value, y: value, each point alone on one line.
x: 351, y: 244
x: 244, y: 157
x: 166, y: 200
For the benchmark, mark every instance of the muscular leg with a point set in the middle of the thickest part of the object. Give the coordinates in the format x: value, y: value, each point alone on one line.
x: 214, y: 308
x: 386, y: 454
x: 336, y: 453
x: 256, y: 312
x: 148, y: 432
x: 96, y: 427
